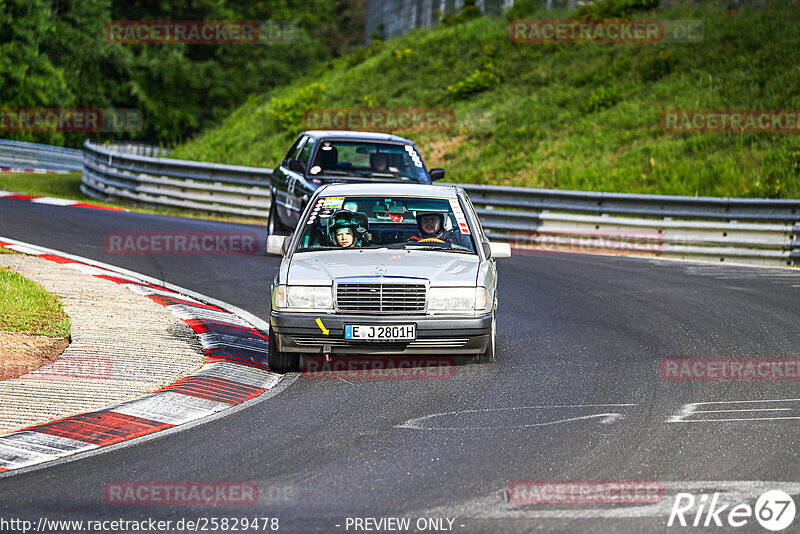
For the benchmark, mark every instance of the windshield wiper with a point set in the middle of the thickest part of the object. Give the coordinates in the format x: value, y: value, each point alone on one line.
x: 444, y: 249
x: 339, y: 173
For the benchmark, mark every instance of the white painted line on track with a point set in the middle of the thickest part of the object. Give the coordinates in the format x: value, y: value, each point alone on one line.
x: 418, y: 423
x: 24, y: 249
x: 54, y: 201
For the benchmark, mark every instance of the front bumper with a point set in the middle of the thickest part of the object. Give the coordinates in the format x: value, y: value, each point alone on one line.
x: 299, y: 332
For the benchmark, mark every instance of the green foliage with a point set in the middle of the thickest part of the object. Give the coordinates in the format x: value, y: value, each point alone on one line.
x: 53, y: 54
x: 288, y: 112
x: 604, y: 97
x: 618, y: 67
x: 479, y: 80
x: 522, y: 9
x: 783, y: 168
x: 28, y: 79
x: 468, y: 11
x: 483, y: 78
x: 656, y: 67
x: 609, y: 9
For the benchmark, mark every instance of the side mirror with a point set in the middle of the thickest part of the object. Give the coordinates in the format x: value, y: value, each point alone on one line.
x: 436, y: 174
x: 277, y: 244
x: 499, y: 250
x: 297, y: 166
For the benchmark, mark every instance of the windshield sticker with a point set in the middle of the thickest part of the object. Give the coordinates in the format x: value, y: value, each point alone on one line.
x: 395, y: 218
x: 325, y: 213
x: 315, y: 169
x: 414, y: 155
x: 460, y: 219
x: 334, y: 202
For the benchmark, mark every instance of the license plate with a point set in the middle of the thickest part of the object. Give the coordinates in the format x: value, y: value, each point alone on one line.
x: 395, y: 332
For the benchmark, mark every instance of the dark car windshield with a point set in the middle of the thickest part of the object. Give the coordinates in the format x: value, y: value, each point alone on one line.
x: 368, y: 159
x: 386, y: 222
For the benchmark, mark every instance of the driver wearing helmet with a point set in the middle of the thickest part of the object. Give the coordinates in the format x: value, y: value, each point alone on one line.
x: 430, y: 226
x: 347, y: 229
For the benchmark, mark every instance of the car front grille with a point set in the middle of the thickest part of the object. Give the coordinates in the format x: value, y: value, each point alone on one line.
x: 381, y: 298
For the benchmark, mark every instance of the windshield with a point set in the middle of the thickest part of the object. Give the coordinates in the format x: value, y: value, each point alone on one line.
x: 368, y: 159
x: 386, y: 222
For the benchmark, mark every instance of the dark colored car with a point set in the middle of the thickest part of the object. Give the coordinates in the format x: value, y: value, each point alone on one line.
x: 326, y: 156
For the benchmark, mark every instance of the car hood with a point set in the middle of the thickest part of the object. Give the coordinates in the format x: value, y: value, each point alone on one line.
x: 441, y: 268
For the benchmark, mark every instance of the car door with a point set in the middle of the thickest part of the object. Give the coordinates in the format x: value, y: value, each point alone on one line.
x: 282, y: 177
x: 298, y: 189
x: 489, y: 267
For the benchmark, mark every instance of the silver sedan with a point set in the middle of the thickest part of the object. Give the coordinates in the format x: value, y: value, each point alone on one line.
x: 384, y: 269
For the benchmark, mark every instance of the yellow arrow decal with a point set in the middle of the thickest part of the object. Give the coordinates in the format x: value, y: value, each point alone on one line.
x: 322, y: 326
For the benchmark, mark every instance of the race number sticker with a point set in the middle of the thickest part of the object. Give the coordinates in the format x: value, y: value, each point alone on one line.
x: 334, y: 203
x: 460, y: 219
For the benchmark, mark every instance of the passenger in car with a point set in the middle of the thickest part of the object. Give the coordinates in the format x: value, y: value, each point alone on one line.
x: 348, y: 229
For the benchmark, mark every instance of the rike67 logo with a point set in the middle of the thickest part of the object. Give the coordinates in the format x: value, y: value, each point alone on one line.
x: 774, y: 510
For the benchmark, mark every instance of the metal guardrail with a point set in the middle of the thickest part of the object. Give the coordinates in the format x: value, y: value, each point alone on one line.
x: 137, y: 149
x: 721, y: 229
x: 651, y: 224
x: 207, y: 188
x: 19, y: 154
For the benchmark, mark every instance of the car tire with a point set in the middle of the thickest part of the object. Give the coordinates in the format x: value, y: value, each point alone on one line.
x: 281, y: 362
x: 488, y: 356
x: 273, y: 222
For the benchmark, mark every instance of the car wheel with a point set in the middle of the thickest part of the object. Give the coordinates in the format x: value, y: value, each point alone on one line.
x: 273, y: 223
x: 281, y: 362
x: 488, y: 356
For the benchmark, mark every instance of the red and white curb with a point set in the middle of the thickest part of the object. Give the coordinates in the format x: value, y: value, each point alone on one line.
x: 33, y: 171
x: 236, y: 371
x: 56, y: 201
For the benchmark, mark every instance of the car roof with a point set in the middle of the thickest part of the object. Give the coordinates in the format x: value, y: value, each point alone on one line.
x: 348, y: 134
x: 384, y: 189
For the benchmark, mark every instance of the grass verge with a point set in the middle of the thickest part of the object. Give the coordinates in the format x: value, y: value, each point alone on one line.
x: 27, y: 308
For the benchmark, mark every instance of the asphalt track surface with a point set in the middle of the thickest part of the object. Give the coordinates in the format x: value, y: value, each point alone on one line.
x: 575, y: 394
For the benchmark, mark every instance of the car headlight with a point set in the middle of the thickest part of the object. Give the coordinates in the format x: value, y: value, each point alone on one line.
x: 312, y: 298
x: 457, y: 298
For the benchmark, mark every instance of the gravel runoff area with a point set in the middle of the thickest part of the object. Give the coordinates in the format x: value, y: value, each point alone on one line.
x: 123, y: 345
